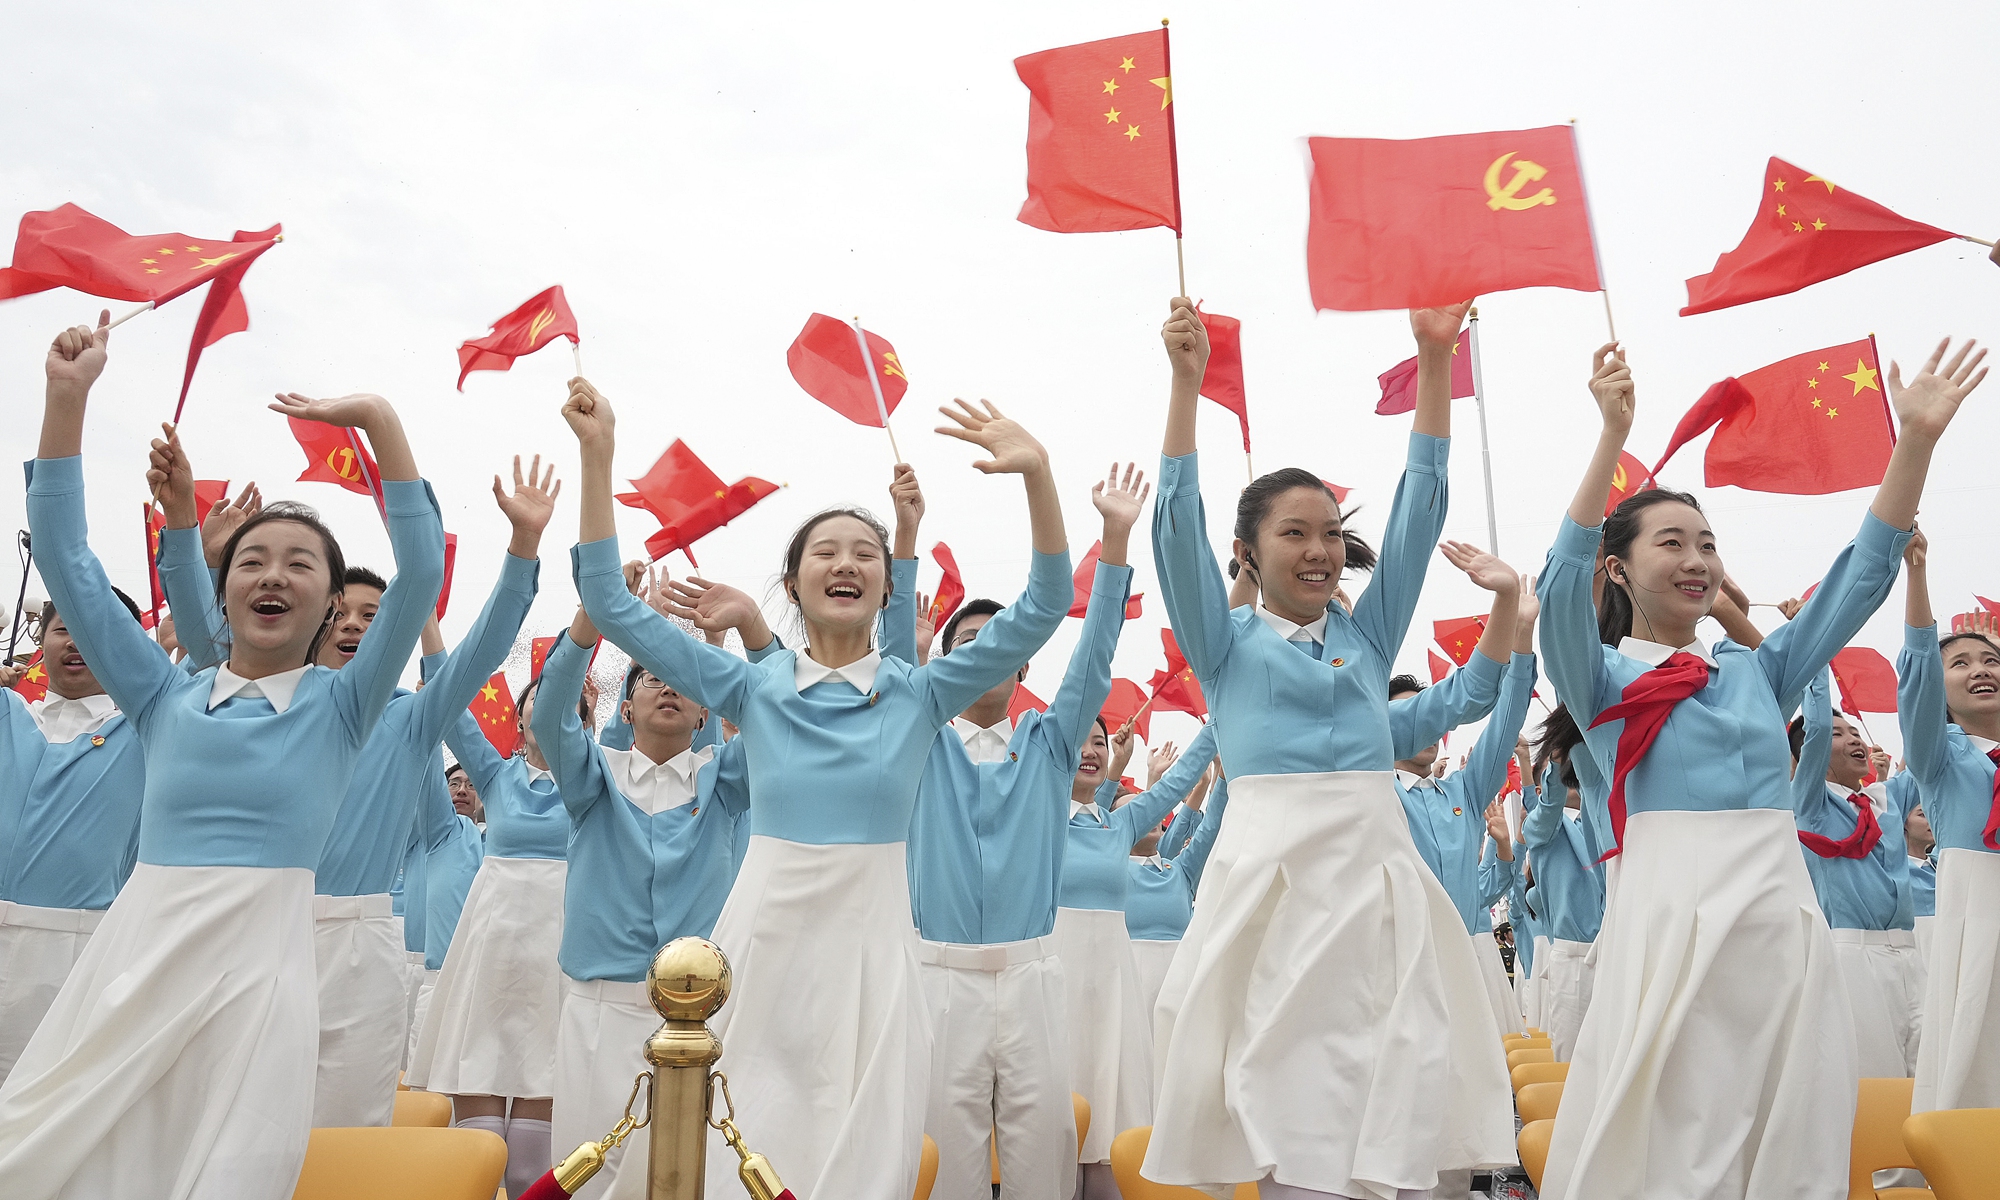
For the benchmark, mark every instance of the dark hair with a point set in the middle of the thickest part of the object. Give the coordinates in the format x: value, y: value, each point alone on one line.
x: 298, y: 514
x: 1255, y: 504
x: 632, y: 678
x: 1944, y: 641
x: 1101, y: 725
x: 971, y: 608
x: 1568, y: 774
x: 526, y: 692
x: 460, y: 768
x: 795, y: 552
x: 1559, y: 738
x: 1621, y: 528
x: 1796, y: 734
x: 363, y: 576
x: 1405, y: 683
x: 49, y: 608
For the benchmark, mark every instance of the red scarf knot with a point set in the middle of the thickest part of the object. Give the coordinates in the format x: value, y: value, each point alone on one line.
x: 1867, y: 832
x: 1644, y: 706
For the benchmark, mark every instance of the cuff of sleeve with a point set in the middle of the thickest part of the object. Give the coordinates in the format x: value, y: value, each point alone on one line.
x: 1577, y: 545
x: 903, y: 573
x: 1429, y: 455
x: 1522, y: 662
x: 1483, y: 669
x: 759, y: 655
x: 181, y: 548
x: 1112, y: 582
x: 409, y: 498
x: 1180, y: 475
x: 596, y: 558
x: 55, y: 476
x: 521, y: 574
x: 1880, y: 539
x: 1922, y: 638
x: 1045, y: 569
x: 431, y: 664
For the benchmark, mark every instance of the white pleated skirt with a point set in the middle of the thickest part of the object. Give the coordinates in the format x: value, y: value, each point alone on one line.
x: 1151, y: 959
x: 826, y: 1035
x: 1958, y: 1056
x: 177, y: 1060
x: 1499, y: 993
x: 599, y: 1053
x: 1110, y: 1032
x: 490, y: 1029
x: 1324, y: 1021
x: 38, y: 948
x: 1716, y: 1061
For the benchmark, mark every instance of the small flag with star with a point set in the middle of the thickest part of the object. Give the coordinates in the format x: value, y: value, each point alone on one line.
x: 493, y: 708
x: 538, y: 654
x: 690, y: 500
x: 1459, y: 637
x: 1176, y: 689
x: 33, y: 685
x: 1806, y: 230
x: 950, y: 589
x: 1812, y: 424
x: 1085, y: 578
x: 541, y: 320
x: 68, y: 247
x: 1101, y: 153
x: 1399, y: 383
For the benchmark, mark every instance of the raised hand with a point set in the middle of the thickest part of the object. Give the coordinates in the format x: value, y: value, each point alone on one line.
x: 1496, y: 821
x: 78, y: 354
x: 1917, y: 553
x: 1929, y: 401
x: 926, y: 629
x: 347, y: 412
x: 1482, y: 568
x: 1121, y: 749
x: 1611, y: 385
x: 711, y: 607
x: 220, y: 523
x: 1158, y: 760
x: 1438, y: 327
x: 588, y: 413
x: 171, y: 479
x: 1120, y: 501
x: 907, y: 497
x: 1186, y: 339
x: 1530, y: 606
x: 1790, y: 608
x: 1013, y: 449
x: 532, y: 503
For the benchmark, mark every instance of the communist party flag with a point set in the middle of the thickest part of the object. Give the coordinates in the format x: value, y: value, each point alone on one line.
x: 1127, y: 701
x: 337, y: 455
x: 1024, y: 701
x: 1802, y: 235
x: 1222, y: 380
x: 827, y: 361
x: 1176, y: 689
x: 1627, y: 481
x: 1415, y: 224
x: 493, y: 708
x: 1439, y: 667
x: 1101, y: 136
x: 1867, y: 681
x: 690, y: 500
x: 1459, y: 637
x: 1806, y: 426
x: 33, y: 685
x: 1085, y: 578
x: 1399, y: 383
x: 541, y: 320
x: 950, y: 589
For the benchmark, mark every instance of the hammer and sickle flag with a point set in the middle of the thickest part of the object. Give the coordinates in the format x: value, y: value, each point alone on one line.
x: 337, y: 456
x: 1416, y: 224
x: 527, y: 329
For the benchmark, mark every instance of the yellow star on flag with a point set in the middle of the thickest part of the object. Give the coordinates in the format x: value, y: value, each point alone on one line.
x: 36, y: 674
x: 1831, y: 413
x: 1815, y: 401
x: 1110, y: 86
x: 147, y: 262
x: 1818, y: 225
x: 1824, y: 367
x: 1863, y: 377
x: 196, y: 249
x: 1131, y: 133
x: 209, y: 262
x: 1126, y: 65
x: 1111, y: 117
x: 166, y: 249
x: 1779, y: 184
x: 1812, y: 383
x: 489, y: 693
x: 1781, y: 210
x: 1798, y: 228
x: 1166, y: 85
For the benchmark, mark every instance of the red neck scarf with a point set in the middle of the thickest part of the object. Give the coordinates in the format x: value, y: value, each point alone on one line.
x: 1867, y: 832
x: 1993, y: 814
x: 1644, y: 706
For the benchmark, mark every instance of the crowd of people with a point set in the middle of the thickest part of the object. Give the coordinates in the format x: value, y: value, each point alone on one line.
x: 241, y: 894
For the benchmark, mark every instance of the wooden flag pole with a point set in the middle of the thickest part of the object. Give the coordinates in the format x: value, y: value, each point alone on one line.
x: 146, y: 307
x: 1485, y: 450
x: 875, y: 382
x: 1597, y: 256
x: 1173, y: 155
x: 576, y: 351
x: 1966, y: 237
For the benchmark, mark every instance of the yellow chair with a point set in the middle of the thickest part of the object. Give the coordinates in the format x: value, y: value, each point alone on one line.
x: 1128, y: 1152
x: 1539, y: 1072
x: 1536, y: 1054
x: 1538, y: 1102
x: 1534, y: 1145
x: 1078, y: 1105
x: 927, y: 1169
x: 401, y: 1164
x: 1517, y: 1039
x: 429, y: 1110
x: 1883, y: 1106
x: 1958, y: 1150
x: 400, y: 1085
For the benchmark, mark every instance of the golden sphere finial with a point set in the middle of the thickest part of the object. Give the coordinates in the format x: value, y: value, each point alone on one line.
x: 689, y: 980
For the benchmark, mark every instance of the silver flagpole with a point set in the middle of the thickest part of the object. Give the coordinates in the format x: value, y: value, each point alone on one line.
x: 1485, y: 448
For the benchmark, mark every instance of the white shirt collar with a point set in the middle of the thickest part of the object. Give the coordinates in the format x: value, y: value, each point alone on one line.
x: 1653, y: 653
x: 657, y: 787
x: 1096, y: 813
x: 1412, y: 781
x: 535, y: 772
x: 277, y: 688
x: 1289, y: 631
x: 1982, y: 745
x: 860, y: 673
x: 984, y: 743
x: 64, y: 720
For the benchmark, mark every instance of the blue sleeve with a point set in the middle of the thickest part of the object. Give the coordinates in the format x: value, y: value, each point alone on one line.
x: 184, y: 577
x: 1464, y: 695
x: 709, y: 675
x: 1853, y: 589
x: 1009, y: 640
x: 576, y: 762
x: 416, y: 538
x: 1416, y: 519
x: 1195, y: 857
x: 1543, y: 819
x: 1191, y: 584
x: 1496, y: 878
x: 1570, y: 642
x: 1149, y: 807
x: 469, y: 746
x: 1816, y: 752
x: 435, y: 814
x: 1087, y: 683
x: 1920, y: 706
x: 896, y: 629
x: 133, y: 668
x: 484, y: 648
x: 1179, y: 830
x: 1486, y: 766
x: 727, y: 778
x: 1106, y: 794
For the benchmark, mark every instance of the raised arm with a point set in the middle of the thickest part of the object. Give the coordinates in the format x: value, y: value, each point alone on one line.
x: 1612, y: 387
x: 1543, y: 819
x: 1087, y: 682
x: 1570, y: 641
x: 1924, y: 409
x: 896, y: 631
x: 1466, y: 694
x: 1149, y: 807
x: 1486, y: 766
x: 1809, y: 777
x: 1416, y: 518
x: 574, y: 759
x: 183, y: 566
x: 1195, y: 856
x: 1436, y: 331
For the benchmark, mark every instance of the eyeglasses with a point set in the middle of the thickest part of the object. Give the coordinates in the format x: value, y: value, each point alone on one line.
x: 651, y: 683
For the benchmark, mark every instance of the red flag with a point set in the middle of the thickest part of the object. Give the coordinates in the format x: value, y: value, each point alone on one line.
x: 1339, y: 493
x: 1460, y: 637
x: 1986, y: 604
x: 538, y: 654
x: 950, y: 588
x: 1806, y: 426
x: 1222, y: 381
x: 493, y: 708
x: 527, y: 329
x: 68, y: 247
x: 155, y: 522
x: 223, y: 311
x: 1399, y: 383
x: 1024, y: 701
x: 1101, y: 136
x: 1413, y: 224
x: 1128, y: 700
x: 1802, y: 235
x: 826, y: 360
x: 336, y: 455
x: 1867, y: 681
x: 1439, y: 667
x: 690, y: 500
x: 1086, y: 577
x: 1176, y: 689
x: 450, y: 561
x: 1513, y: 777
x: 1627, y: 481
x: 33, y: 685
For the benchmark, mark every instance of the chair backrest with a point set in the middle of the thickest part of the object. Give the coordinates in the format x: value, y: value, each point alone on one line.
x: 1539, y: 1101
x: 1879, y: 1112
x: 1517, y: 1040
x: 402, y: 1164
x: 1534, y: 1146
x: 1534, y: 1054
x: 429, y: 1110
x: 927, y: 1169
x: 1128, y: 1153
x: 1958, y: 1150
x: 1081, y: 1108
x: 1538, y: 1072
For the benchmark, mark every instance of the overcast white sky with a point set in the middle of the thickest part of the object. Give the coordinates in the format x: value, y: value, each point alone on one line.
x: 701, y: 178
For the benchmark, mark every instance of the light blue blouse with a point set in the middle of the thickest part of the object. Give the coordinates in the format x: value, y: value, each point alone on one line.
x: 242, y: 784
x: 449, y: 870
x: 1098, y: 850
x: 1159, y: 897
x: 1525, y: 914
x: 1854, y: 893
x: 1461, y: 697
x: 1569, y: 881
x: 69, y: 812
x: 1954, y: 776
x: 524, y: 814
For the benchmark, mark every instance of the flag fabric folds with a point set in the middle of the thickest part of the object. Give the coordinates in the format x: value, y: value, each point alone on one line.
x: 450, y: 562
x: 1812, y: 424
x: 68, y: 247
x: 538, y: 654
x: 826, y: 360
x: 950, y: 589
x: 33, y: 684
x: 690, y: 500
x: 1806, y: 230
x: 536, y: 323
x: 1176, y: 689
x: 493, y: 708
x: 1867, y: 681
x: 1101, y: 153
x: 1085, y: 577
x: 1627, y: 481
x: 1439, y: 667
x: 1459, y: 637
x: 337, y: 455
x: 222, y: 310
x: 156, y: 521
x: 1222, y: 381
x: 1126, y: 701
x: 1399, y: 383
x: 1024, y: 701
x: 1415, y: 224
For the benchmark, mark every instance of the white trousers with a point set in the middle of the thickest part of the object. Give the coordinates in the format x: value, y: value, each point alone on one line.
x: 1567, y: 970
x: 600, y: 1050
x: 419, y: 1011
x: 363, y: 1010
x: 38, y: 946
x: 1884, y: 981
x: 999, y: 1066
x: 1493, y: 973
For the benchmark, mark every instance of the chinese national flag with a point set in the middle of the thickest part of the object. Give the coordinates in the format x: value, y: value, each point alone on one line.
x: 68, y: 247
x: 1086, y: 576
x: 336, y: 455
x: 1414, y: 224
x: 1867, y: 681
x: 1024, y: 701
x: 538, y: 654
x: 1513, y: 785
x: 1222, y: 382
x: 1812, y: 424
x: 1128, y: 700
x: 527, y: 329
x: 1439, y: 667
x: 493, y: 708
x: 1627, y: 481
x: 1176, y: 689
x: 1458, y: 638
x: 33, y: 685
x: 690, y: 500
x: 826, y: 360
x: 950, y: 588
x: 222, y: 310
x: 1806, y: 230
x: 1101, y: 136
x: 1399, y: 383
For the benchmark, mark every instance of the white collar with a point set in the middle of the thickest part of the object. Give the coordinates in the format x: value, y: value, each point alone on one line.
x: 277, y: 689
x: 535, y: 772
x: 1981, y: 744
x: 1411, y: 781
x: 1096, y: 813
x: 984, y: 743
x: 1290, y: 631
x: 1653, y: 653
x: 62, y: 719
x: 860, y: 673
x: 657, y: 787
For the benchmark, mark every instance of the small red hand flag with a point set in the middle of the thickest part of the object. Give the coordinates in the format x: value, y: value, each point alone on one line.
x: 493, y: 708
x: 1439, y: 667
x: 1399, y: 383
x: 1513, y: 777
x: 1459, y: 637
x: 1086, y: 577
x: 1340, y: 494
x: 527, y: 329
x: 1127, y: 701
x: 538, y: 654
x: 950, y: 588
x: 1989, y: 605
x: 1024, y: 701
x: 33, y: 684
x: 155, y: 522
x: 1101, y: 136
x: 1176, y: 689
x: 1414, y: 224
x: 1802, y: 235
x: 337, y: 455
x: 826, y: 360
x: 68, y: 247
x: 1627, y: 481
x: 690, y: 500
x: 1812, y: 424
x: 1222, y: 381
x: 450, y: 562
x: 1867, y: 681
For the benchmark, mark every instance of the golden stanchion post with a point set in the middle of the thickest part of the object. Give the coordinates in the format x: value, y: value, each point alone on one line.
x: 688, y: 983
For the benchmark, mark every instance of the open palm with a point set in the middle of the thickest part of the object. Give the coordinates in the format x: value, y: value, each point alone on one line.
x: 1929, y: 401
x: 1120, y: 500
x: 1012, y: 449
